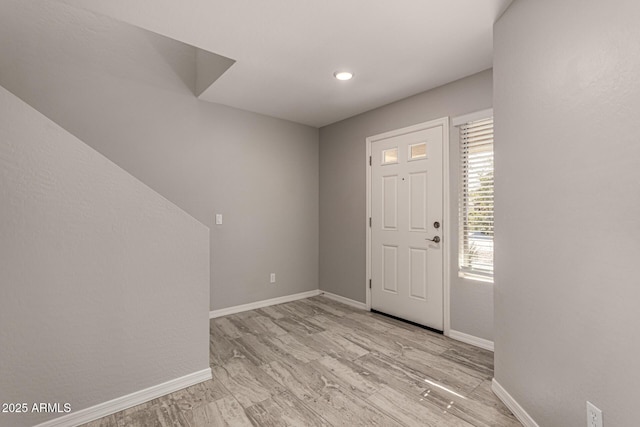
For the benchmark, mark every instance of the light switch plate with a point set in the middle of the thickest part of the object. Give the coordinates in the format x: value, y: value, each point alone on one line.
x: 218, y: 219
x: 594, y: 416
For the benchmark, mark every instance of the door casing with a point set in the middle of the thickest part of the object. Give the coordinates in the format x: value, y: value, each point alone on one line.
x: 446, y: 259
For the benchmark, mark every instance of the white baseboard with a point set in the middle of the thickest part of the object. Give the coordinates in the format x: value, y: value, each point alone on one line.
x: 513, y: 406
x: 259, y: 304
x: 470, y: 339
x: 121, y: 403
x: 344, y: 300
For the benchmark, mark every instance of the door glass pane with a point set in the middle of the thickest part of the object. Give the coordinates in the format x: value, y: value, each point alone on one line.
x: 390, y: 156
x: 418, y: 151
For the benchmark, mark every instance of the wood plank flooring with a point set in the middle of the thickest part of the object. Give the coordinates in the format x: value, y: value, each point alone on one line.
x: 316, y: 362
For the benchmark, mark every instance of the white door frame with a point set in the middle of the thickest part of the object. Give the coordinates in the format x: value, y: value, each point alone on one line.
x: 446, y: 219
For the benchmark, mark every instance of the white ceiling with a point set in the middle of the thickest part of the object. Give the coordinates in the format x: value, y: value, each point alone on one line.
x: 287, y: 50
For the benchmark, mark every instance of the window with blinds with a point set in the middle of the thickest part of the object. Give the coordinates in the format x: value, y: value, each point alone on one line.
x: 476, y: 199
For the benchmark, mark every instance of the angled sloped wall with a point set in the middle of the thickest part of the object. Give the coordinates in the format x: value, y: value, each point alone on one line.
x: 104, y: 284
x: 128, y: 93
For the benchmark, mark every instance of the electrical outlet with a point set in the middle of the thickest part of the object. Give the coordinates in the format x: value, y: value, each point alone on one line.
x: 594, y: 415
x: 218, y: 219
x: 272, y: 278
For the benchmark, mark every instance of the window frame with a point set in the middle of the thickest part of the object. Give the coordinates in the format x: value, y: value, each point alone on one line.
x: 467, y: 272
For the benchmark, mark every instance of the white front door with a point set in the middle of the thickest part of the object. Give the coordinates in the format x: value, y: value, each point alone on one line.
x: 406, y: 211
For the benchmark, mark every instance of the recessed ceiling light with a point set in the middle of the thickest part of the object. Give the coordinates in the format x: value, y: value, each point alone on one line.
x: 343, y: 75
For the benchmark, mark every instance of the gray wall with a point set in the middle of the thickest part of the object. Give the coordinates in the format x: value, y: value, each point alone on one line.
x: 343, y: 196
x: 567, y: 103
x: 128, y: 93
x: 99, y: 274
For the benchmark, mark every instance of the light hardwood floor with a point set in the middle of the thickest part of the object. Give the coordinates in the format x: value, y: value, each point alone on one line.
x: 316, y: 362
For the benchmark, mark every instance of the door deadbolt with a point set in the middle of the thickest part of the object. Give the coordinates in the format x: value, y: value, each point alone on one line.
x: 436, y: 224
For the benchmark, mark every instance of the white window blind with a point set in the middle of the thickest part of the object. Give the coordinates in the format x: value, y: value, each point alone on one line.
x: 476, y: 199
